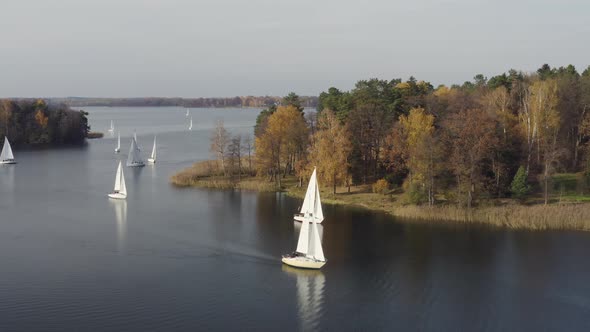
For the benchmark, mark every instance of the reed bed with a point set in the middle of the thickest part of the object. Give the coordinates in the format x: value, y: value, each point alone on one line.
x: 536, y: 217
x: 206, y: 174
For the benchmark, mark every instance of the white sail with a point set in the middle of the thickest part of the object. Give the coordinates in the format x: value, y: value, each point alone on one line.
x: 190, y: 126
x: 187, y: 112
x: 316, y: 250
x: 312, y: 204
x: 123, y: 189
x: 134, y: 158
x: 318, y: 213
x: 153, y: 155
x: 308, y: 205
x: 112, y: 128
x: 118, y: 148
x: 6, y: 154
x: 303, y: 242
x: 118, y: 179
x: 120, y: 190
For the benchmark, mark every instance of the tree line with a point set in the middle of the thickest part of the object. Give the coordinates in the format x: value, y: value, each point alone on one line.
x: 34, y: 122
x: 238, y: 101
x: 486, y: 138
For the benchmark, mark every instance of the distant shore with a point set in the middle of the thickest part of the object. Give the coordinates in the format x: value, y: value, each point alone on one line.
x: 216, y: 102
x: 501, y: 213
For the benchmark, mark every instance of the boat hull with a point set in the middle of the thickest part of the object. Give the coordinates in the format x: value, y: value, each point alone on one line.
x: 136, y: 165
x: 151, y: 161
x: 7, y: 162
x: 303, y: 262
x: 117, y: 150
x: 117, y: 196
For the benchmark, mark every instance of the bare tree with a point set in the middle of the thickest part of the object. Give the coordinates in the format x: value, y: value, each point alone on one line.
x: 219, y: 142
x: 234, y: 152
x: 247, y: 146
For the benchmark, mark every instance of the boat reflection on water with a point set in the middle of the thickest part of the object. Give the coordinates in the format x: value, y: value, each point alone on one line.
x: 7, y: 184
x: 310, y: 295
x: 120, y: 207
x: 7, y: 177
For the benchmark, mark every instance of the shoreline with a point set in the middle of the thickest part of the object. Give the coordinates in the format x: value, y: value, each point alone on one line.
x: 507, y: 214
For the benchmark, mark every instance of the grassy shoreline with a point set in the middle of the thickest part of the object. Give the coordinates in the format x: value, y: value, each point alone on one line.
x: 503, y: 214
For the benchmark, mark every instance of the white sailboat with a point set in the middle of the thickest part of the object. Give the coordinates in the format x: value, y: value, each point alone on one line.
x: 118, y: 148
x: 311, y: 203
x: 152, y: 158
x: 187, y: 113
x: 309, y: 253
x: 134, y: 158
x: 120, y: 191
x: 6, y: 156
x: 112, y: 128
x: 190, y: 126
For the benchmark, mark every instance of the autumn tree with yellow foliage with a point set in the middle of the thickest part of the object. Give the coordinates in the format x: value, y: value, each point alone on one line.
x: 417, y: 146
x: 546, y: 121
x: 281, y: 143
x: 330, y: 150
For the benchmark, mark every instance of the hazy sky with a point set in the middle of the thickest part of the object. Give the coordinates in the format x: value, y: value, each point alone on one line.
x: 200, y: 48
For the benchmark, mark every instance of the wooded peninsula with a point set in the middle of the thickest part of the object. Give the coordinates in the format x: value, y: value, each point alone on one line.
x: 512, y: 150
x: 33, y: 122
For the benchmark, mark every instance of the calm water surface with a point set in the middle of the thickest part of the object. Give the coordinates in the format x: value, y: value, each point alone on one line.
x: 197, y: 260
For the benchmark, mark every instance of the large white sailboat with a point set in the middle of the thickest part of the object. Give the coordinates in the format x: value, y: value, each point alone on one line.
x: 120, y: 191
x: 312, y: 204
x: 152, y: 158
x: 112, y: 128
x: 309, y: 253
x: 6, y: 156
x: 118, y: 148
x: 190, y: 126
x: 134, y: 158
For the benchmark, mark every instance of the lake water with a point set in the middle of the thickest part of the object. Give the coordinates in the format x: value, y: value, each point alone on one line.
x: 199, y: 260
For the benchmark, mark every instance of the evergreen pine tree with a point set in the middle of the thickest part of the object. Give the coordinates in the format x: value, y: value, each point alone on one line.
x: 519, y: 186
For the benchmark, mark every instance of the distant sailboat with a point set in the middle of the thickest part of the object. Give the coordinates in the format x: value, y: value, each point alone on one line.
x: 312, y: 204
x: 190, y: 126
x: 135, y: 138
x: 152, y: 158
x: 120, y: 191
x: 118, y: 148
x: 187, y: 113
x: 134, y: 158
x: 6, y: 157
x: 309, y: 253
x: 112, y: 128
